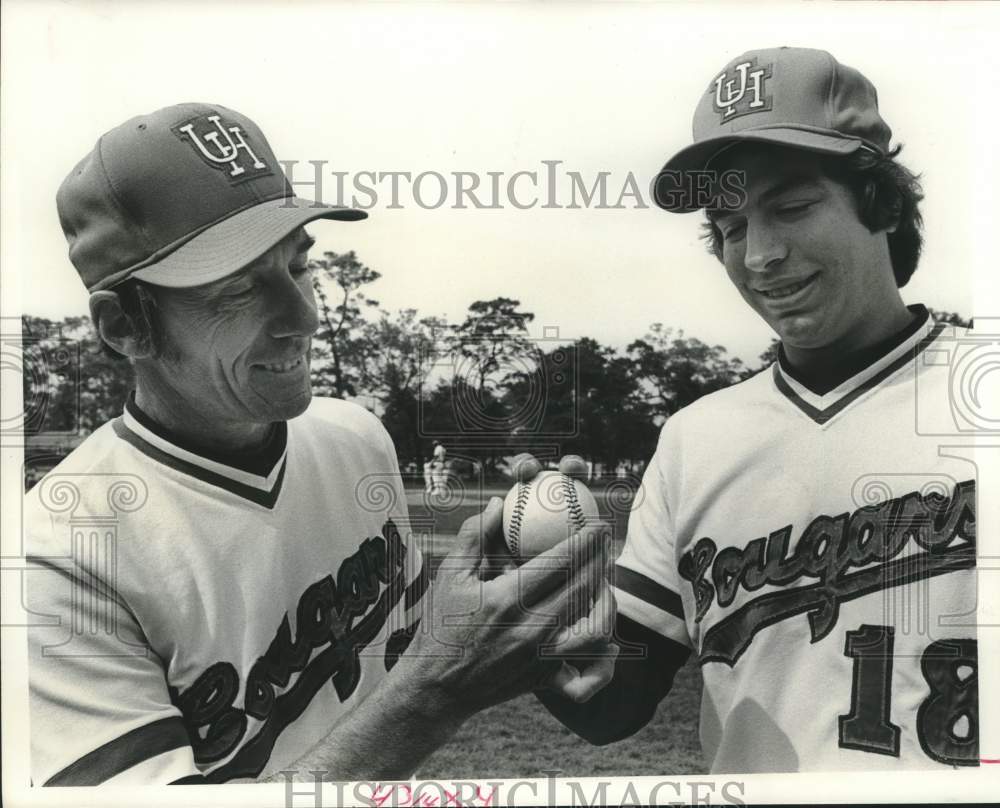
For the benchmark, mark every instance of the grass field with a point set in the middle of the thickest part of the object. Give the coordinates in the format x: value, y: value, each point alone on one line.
x: 520, y: 738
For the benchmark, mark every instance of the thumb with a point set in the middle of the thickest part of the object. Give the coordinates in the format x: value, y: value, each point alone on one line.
x: 476, y: 537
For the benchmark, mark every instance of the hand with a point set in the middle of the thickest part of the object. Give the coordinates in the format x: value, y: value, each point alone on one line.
x: 480, y: 641
x: 590, y: 655
x: 588, y: 644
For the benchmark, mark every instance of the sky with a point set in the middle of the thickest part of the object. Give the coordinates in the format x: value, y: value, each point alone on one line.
x: 493, y: 88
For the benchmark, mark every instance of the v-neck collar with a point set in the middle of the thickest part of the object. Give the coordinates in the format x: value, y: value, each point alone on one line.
x: 822, y: 408
x: 256, y: 477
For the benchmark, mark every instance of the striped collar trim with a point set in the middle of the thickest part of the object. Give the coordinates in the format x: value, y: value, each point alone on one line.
x: 259, y: 489
x: 823, y: 408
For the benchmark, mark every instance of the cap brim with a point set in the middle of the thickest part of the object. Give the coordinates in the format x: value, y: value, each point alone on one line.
x: 239, y: 240
x: 697, y: 156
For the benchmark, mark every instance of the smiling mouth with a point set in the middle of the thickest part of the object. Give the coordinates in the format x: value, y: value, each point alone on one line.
x: 786, y: 291
x: 283, y: 367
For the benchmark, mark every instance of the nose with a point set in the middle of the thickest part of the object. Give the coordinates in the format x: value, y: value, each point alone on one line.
x: 765, y: 247
x: 294, y: 308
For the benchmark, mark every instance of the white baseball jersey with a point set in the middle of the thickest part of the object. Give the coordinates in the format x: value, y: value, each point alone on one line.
x: 195, y: 617
x: 817, y: 554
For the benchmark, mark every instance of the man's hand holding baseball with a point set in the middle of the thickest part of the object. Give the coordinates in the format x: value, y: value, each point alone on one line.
x: 486, y: 641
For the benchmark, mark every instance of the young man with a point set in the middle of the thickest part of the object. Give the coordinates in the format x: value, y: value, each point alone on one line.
x: 795, y: 531
x: 224, y: 577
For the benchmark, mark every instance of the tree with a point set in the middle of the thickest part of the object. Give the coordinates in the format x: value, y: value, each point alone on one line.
x: 679, y: 370
x: 486, y: 352
x: 493, y: 343
x: 590, y: 395
x: 767, y: 357
x: 615, y: 417
x: 394, y: 368
x: 71, y: 386
x: 338, y: 346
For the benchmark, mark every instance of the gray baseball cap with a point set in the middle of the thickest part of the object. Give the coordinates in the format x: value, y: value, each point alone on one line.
x: 181, y: 197
x: 796, y: 97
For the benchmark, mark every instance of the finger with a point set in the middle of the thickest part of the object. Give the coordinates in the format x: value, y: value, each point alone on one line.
x: 476, y: 536
x: 496, y: 564
x: 580, y: 684
x: 606, y: 609
x: 602, y: 617
x: 561, y: 679
x: 548, y: 669
x: 594, y: 678
x: 591, y: 632
x: 574, y: 602
x: 575, y: 566
x: 524, y: 467
x: 576, y: 562
x: 586, y: 605
x: 573, y: 466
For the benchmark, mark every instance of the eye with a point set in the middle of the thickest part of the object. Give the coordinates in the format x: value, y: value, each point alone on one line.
x: 240, y: 296
x: 240, y: 293
x: 733, y: 232
x: 299, y: 270
x: 792, y: 208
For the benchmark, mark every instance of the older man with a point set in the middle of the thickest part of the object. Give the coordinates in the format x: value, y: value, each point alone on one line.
x: 227, y: 568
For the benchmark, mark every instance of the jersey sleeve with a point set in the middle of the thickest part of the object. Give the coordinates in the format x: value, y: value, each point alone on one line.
x: 646, y: 580
x: 100, y: 709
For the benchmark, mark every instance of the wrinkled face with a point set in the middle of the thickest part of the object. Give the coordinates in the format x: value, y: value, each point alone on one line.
x: 237, y: 349
x: 798, y: 252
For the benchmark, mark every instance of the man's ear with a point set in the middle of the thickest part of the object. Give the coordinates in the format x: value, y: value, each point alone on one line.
x: 116, y: 328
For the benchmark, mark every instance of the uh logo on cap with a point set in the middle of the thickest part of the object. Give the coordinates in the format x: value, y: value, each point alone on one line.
x: 223, y: 146
x: 740, y: 90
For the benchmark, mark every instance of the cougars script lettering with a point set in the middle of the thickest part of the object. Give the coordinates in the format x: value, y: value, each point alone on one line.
x: 849, y: 555
x: 327, y: 615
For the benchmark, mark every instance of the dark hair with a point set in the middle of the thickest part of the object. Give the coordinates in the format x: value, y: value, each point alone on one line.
x: 885, y: 191
x: 138, y: 303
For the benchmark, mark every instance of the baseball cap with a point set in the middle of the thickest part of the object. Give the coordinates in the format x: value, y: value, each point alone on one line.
x: 797, y: 97
x: 181, y: 197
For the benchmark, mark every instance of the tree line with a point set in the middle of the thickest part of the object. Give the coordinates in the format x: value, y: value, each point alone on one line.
x: 484, y: 387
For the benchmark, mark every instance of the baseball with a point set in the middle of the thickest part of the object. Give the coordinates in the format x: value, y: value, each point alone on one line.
x: 543, y: 511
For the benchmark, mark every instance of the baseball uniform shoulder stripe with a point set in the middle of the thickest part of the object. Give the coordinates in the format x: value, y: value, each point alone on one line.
x: 653, y: 618
x: 264, y: 498
x: 122, y: 753
x: 648, y: 590
x: 655, y: 645
x: 821, y: 416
